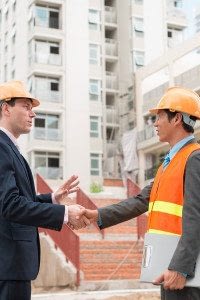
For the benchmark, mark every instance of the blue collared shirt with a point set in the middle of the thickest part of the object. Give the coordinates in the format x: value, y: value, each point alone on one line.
x: 179, y: 145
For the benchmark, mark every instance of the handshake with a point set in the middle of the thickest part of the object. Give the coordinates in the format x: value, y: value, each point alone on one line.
x: 80, y: 217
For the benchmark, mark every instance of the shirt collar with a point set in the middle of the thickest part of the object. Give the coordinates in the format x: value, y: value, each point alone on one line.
x: 179, y: 145
x: 11, y: 136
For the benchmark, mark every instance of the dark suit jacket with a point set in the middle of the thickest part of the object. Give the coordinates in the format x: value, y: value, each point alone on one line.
x: 21, y: 212
x: 185, y: 255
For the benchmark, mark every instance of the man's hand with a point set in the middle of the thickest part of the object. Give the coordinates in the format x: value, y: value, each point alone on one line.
x: 171, y: 280
x: 70, y: 186
x: 86, y: 217
x: 91, y: 214
x: 76, y: 218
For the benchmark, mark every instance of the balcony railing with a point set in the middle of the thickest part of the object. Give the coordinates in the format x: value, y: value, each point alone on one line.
x: 110, y: 15
x: 146, y: 134
x: 47, y: 95
x: 111, y: 81
x: 189, y: 79
x: 50, y: 173
x: 151, y: 98
x: 46, y: 58
x: 111, y: 115
x: 47, y: 134
x: 177, y: 16
x: 111, y: 47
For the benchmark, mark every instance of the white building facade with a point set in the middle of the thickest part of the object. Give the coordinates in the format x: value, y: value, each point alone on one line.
x: 80, y: 59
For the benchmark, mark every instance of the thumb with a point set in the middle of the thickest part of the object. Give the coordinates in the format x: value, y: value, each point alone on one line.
x: 159, y: 280
x: 80, y: 213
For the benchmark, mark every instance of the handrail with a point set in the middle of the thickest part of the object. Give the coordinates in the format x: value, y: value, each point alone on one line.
x: 132, y: 190
x: 66, y: 240
x: 84, y: 200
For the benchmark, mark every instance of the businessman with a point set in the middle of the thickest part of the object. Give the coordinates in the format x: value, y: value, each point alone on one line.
x: 21, y: 210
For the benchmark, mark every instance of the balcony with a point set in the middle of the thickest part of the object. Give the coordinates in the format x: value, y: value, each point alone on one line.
x: 46, y: 58
x: 151, y: 98
x: 189, y: 79
x: 50, y: 172
x: 111, y: 81
x: 111, y: 148
x: 48, y: 96
x: 110, y: 15
x: 146, y: 134
x: 47, y: 134
x: 111, y: 47
x: 111, y: 115
x: 176, y: 18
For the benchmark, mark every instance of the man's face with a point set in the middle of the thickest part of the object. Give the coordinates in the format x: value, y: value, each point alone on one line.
x: 164, y: 127
x: 20, y: 117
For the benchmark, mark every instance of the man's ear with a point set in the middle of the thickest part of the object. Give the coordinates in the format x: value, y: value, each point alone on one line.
x: 178, y: 118
x: 6, y: 109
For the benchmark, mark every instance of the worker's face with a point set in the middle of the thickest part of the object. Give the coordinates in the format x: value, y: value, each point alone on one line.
x: 19, y: 116
x: 164, y: 127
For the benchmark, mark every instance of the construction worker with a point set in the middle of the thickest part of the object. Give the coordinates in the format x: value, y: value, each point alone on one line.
x: 173, y: 199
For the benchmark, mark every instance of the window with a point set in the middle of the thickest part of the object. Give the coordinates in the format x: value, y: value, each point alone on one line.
x: 47, y: 88
x: 94, y: 19
x: 94, y: 126
x: 138, y: 24
x: 95, y: 90
x: 94, y: 54
x: 94, y: 164
x: 47, y: 52
x: 47, y: 127
x: 48, y: 164
x: 46, y: 17
x: 175, y: 36
x: 138, y: 2
x: 54, y: 49
x: 178, y: 3
x: 139, y: 58
x: 54, y: 86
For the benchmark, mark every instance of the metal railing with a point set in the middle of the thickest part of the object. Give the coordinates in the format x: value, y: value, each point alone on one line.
x: 147, y: 133
x: 84, y: 200
x: 66, y: 239
x: 111, y: 47
x: 47, y: 134
x: 110, y: 15
x: 132, y: 190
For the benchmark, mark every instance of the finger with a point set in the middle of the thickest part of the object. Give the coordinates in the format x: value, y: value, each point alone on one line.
x: 70, y: 181
x: 159, y: 280
x: 70, y: 191
x: 86, y: 220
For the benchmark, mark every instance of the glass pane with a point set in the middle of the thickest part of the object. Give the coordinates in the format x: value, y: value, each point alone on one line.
x: 94, y: 163
x: 53, y: 162
x: 54, y: 19
x: 40, y: 122
x: 40, y: 161
x: 41, y: 16
x: 52, y: 121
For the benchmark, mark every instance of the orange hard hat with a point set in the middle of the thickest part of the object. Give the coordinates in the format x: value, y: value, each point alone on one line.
x: 181, y: 100
x: 16, y: 89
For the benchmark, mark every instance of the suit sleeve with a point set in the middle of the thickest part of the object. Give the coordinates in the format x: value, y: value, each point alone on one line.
x: 16, y: 207
x: 186, y: 253
x: 126, y: 209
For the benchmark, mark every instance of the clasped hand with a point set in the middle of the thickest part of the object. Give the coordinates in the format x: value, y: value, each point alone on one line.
x: 80, y: 217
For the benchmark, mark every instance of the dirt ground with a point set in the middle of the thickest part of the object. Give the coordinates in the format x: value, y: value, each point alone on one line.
x: 144, y: 296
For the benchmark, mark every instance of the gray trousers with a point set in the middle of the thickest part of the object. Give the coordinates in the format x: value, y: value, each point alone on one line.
x: 187, y: 293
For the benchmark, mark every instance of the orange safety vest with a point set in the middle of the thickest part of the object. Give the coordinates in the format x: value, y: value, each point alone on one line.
x: 166, y: 198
